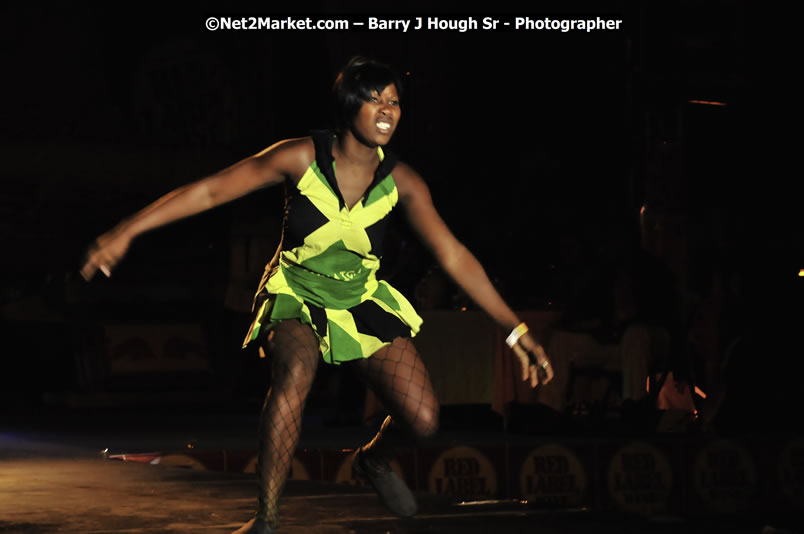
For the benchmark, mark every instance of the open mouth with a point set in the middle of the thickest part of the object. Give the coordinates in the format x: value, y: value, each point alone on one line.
x: 384, y: 126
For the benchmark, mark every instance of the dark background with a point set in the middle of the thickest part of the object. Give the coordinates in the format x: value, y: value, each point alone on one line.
x: 528, y: 141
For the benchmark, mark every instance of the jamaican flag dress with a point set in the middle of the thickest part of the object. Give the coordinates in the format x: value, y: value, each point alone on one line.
x: 323, y: 273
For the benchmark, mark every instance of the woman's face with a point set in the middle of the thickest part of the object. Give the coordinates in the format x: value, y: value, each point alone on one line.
x: 376, y: 121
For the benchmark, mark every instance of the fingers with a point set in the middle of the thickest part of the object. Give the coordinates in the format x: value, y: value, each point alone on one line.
x: 536, y: 367
x: 88, y: 271
x: 544, y: 370
x: 548, y: 374
x: 543, y: 364
x: 523, y: 361
x: 96, y: 261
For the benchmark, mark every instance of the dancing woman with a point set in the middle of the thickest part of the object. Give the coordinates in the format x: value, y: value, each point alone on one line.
x: 320, y: 298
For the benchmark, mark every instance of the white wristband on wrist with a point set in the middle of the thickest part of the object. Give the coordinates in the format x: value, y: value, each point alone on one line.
x: 515, y: 334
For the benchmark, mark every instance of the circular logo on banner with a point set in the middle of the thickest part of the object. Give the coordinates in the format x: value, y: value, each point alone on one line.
x: 553, y: 475
x: 791, y: 472
x: 297, y: 469
x: 640, y: 478
x: 725, y: 476
x: 463, y: 472
x: 345, y: 476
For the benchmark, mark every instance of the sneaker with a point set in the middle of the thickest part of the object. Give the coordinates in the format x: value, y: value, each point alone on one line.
x: 392, y: 491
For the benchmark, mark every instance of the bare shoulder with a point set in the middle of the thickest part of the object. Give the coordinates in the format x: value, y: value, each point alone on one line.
x: 409, y: 183
x: 290, y: 157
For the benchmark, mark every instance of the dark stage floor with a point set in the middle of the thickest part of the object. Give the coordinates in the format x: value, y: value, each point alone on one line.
x: 54, y: 479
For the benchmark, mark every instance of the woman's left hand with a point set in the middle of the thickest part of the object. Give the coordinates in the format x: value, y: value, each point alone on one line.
x: 535, y: 364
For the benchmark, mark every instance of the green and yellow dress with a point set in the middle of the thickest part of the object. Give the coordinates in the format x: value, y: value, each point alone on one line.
x: 323, y: 273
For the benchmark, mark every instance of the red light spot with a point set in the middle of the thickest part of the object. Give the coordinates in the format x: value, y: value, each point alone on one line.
x: 708, y: 103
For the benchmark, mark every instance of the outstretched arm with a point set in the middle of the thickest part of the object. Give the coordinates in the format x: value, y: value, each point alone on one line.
x: 464, y: 268
x: 269, y: 167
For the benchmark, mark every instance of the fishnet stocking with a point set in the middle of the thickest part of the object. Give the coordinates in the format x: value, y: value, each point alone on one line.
x: 293, y: 349
x: 398, y: 377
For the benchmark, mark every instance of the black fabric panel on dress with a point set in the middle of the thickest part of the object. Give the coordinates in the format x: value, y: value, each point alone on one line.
x: 384, y: 168
x: 376, y: 235
x: 376, y: 232
x: 322, y: 140
x: 319, y: 318
x: 302, y: 218
x: 371, y: 319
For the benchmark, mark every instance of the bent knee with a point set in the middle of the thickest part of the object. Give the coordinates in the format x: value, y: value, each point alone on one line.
x: 426, y: 424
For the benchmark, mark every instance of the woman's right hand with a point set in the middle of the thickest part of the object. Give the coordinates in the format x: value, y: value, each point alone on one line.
x: 106, y: 252
x: 286, y: 158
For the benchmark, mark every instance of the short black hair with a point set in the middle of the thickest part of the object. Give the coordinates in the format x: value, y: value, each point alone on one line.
x: 354, y: 85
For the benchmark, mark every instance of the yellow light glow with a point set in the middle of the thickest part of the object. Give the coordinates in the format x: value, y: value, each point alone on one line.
x: 801, y: 273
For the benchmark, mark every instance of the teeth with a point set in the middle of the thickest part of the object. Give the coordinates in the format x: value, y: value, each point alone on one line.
x: 384, y: 125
